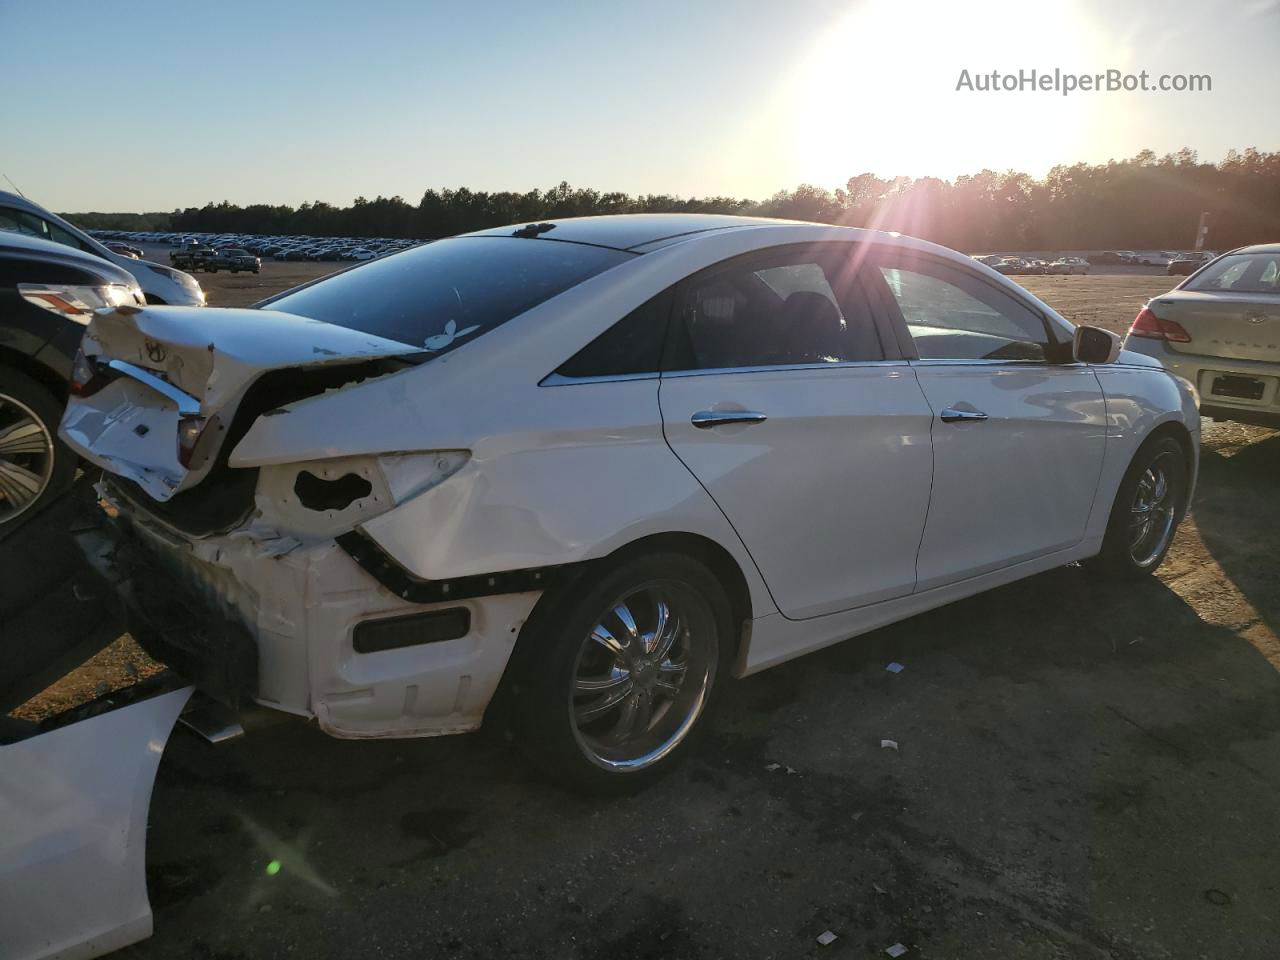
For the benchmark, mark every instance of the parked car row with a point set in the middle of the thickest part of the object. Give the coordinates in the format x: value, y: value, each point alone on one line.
x: 1151, y: 258
x: 1031, y: 266
x: 1175, y: 263
x: 354, y: 249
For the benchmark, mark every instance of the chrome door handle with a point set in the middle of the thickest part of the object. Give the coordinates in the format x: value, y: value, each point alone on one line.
x: 952, y: 415
x: 719, y: 418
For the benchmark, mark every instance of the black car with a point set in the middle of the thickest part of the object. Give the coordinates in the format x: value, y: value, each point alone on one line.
x: 234, y: 259
x: 48, y: 292
x: 1185, y: 266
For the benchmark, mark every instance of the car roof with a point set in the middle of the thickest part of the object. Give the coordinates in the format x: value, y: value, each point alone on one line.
x: 1259, y: 248
x: 36, y: 248
x: 629, y: 231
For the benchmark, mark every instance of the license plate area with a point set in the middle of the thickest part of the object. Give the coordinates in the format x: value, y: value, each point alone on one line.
x: 1238, y: 388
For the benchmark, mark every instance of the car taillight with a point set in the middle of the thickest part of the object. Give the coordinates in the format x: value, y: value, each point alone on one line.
x: 88, y: 376
x: 190, y: 430
x: 1148, y: 325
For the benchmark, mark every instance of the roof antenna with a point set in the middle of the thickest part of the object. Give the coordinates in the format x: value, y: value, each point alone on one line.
x: 15, y: 186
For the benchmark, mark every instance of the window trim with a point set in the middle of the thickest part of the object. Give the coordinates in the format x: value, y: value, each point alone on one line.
x: 775, y: 256
x: 785, y: 367
x: 1057, y: 354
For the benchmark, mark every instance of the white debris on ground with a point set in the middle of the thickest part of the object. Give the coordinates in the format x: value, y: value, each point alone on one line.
x: 896, y: 950
x: 889, y: 744
x: 826, y: 938
x: 895, y: 667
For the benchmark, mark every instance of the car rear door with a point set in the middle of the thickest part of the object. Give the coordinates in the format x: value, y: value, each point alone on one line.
x: 803, y: 422
x: 1017, y: 437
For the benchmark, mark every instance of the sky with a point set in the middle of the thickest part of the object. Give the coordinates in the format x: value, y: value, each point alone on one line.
x: 141, y: 106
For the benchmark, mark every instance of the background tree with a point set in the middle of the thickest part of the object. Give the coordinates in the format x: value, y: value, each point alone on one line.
x: 1145, y: 202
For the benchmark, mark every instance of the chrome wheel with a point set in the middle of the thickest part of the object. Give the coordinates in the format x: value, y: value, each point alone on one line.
x: 26, y: 457
x: 1154, y: 511
x: 642, y: 675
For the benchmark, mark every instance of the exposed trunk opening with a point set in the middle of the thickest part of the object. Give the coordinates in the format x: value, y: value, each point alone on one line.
x: 224, y: 498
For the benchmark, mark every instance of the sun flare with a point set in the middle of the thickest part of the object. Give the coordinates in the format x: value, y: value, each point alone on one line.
x: 878, y: 92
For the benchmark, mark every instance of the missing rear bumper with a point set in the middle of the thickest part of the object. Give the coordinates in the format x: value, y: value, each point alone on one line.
x: 169, y: 619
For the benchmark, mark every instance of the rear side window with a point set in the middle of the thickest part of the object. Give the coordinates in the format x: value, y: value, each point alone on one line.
x: 798, y: 307
x: 1241, y: 273
x: 632, y: 346
x: 440, y: 295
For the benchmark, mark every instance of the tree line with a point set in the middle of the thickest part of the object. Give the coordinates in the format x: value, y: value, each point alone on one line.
x: 1146, y: 202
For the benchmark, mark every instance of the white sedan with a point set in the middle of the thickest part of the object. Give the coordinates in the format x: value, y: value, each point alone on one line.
x: 1219, y: 332
x: 575, y: 476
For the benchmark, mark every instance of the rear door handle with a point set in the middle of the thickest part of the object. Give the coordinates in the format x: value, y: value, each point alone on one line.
x: 704, y: 419
x: 952, y: 415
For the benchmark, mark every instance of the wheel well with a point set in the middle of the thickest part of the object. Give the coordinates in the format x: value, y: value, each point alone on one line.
x: 715, y: 557
x: 36, y: 370
x: 1179, y: 432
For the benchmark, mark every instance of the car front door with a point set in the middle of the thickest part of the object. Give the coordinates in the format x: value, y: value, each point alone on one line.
x: 1018, y: 430
x: 804, y: 423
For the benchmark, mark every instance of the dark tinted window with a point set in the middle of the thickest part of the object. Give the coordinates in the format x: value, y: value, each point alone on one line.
x: 633, y: 345
x: 19, y: 221
x: 443, y: 294
x: 954, y: 316
x: 793, y: 308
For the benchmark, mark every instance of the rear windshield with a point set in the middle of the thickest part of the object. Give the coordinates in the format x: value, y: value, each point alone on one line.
x: 443, y: 294
x: 1241, y: 273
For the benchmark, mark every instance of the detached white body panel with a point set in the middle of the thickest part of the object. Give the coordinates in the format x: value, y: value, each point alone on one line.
x: 73, y: 805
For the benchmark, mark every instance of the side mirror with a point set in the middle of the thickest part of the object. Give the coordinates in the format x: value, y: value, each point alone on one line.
x: 1095, y: 345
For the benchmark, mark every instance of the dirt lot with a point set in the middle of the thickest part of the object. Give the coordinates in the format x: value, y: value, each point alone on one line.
x: 1084, y: 770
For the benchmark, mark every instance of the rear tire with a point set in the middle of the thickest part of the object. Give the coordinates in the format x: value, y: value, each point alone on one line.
x: 35, y: 466
x: 618, y: 674
x: 1149, y: 505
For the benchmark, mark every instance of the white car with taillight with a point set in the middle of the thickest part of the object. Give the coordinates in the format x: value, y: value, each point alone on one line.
x: 572, y: 477
x: 1219, y: 332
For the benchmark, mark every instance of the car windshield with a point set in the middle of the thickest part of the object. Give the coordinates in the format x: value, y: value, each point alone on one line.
x: 1241, y: 273
x: 439, y: 295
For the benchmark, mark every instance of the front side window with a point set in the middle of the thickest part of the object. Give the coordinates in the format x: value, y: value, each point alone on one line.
x: 951, y: 316
x: 802, y: 308
x: 437, y: 296
x: 1241, y: 273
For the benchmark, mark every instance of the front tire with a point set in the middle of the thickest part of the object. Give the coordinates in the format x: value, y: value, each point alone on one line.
x: 35, y: 466
x: 619, y: 675
x: 1149, y: 505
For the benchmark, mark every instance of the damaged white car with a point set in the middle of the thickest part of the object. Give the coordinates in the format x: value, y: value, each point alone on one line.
x: 587, y: 471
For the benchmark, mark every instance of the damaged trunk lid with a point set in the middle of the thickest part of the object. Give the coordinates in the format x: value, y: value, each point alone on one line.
x: 155, y: 390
